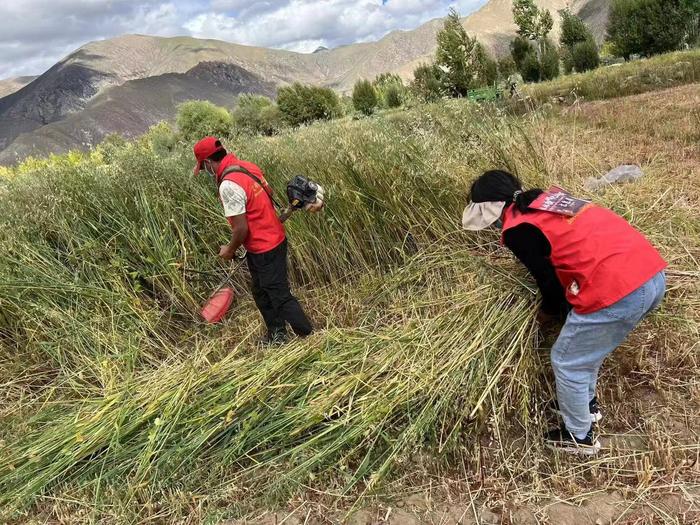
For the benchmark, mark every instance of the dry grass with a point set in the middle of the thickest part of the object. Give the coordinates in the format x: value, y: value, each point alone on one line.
x: 409, y: 316
x: 633, y: 78
x: 650, y: 388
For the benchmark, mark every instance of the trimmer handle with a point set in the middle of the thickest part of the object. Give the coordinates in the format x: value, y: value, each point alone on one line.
x: 286, y: 214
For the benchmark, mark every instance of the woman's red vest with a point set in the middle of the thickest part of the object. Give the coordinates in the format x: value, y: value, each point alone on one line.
x: 598, y: 256
x: 265, y: 230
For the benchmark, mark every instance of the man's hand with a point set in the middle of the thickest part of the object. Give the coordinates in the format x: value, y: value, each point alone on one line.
x: 319, y: 203
x: 227, y: 252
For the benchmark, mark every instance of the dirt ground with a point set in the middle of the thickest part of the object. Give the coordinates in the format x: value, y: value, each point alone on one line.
x: 649, y: 469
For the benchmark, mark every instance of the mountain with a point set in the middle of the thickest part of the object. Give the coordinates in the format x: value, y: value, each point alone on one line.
x: 136, y: 105
x: 10, y: 85
x: 125, y: 84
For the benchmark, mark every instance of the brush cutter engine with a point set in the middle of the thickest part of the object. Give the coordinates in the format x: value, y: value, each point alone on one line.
x: 306, y: 194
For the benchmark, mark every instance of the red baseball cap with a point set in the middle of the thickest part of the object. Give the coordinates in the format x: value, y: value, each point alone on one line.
x: 204, y: 149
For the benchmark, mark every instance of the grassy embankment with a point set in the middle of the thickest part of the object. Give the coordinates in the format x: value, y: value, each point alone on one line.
x: 632, y: 78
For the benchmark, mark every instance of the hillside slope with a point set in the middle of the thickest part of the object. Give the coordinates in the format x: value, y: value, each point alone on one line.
x: 131, y: 108
x: 12, y: 85
x: 68, y: 88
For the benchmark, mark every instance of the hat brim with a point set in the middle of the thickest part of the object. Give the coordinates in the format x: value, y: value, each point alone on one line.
x: 197, y: 168
x: 480, y: 215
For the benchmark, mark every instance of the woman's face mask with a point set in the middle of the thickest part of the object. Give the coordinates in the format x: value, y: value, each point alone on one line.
x: 209, y: 169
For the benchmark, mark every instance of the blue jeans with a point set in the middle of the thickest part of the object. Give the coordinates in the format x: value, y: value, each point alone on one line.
x: 584, y: 343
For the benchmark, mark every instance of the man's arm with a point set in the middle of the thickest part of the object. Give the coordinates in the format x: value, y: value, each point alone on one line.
x: 234, y: 200
x: 532, y: 248
x: 239, y: 232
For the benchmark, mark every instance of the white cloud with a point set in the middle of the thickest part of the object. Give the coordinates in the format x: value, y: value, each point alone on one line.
x: 35, y: 34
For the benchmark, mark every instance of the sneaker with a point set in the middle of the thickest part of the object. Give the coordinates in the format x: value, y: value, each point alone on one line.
x: 596, y: 416
x: 275, y: 339
x: 563, y: 440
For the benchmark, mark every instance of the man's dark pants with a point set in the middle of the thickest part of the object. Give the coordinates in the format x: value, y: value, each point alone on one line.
x: 272, y: 294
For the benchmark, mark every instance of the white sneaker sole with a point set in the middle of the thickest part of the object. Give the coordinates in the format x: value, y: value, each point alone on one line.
x: 582, y: 450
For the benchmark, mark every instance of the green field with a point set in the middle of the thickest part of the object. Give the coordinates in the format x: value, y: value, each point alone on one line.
x: 119, y: 406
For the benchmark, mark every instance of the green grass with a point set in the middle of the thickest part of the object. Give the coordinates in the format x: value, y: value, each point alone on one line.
x: 639, y: 76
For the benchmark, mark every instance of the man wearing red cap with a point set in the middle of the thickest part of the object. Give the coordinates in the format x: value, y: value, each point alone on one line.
x: 249, y: 209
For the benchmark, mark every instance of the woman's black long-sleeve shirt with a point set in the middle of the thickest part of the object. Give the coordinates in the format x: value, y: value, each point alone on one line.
x: 532, y: 248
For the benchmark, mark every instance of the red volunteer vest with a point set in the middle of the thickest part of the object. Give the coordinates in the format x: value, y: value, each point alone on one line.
x: 265, y: 230
x: 598, y: 256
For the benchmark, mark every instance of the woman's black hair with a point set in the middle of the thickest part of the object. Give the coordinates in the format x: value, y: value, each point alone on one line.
x: 501, y: 186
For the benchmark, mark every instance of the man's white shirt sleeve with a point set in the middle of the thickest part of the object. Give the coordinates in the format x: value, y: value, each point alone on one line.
x: 233, y: 198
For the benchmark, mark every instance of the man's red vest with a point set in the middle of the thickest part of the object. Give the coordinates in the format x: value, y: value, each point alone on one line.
x: 598, y: 256
x: 265, y: 230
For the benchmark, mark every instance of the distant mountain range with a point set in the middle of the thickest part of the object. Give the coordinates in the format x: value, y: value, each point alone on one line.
x: 126, y: 84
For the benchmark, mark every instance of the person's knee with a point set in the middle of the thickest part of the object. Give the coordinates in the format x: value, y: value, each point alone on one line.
x: 279, y: 296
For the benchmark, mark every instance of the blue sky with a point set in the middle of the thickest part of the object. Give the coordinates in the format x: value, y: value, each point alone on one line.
x: 35, y: 34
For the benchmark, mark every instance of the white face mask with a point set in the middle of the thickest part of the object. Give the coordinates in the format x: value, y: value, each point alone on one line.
x: 208, y: 168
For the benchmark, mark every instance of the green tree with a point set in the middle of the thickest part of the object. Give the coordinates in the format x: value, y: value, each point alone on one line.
x: 520, y: 48
x: 530, y: 68
x: 427, y: 84
x: 257, y: 115
x: 506, y: 66
x: 200, y: 118
x: 364, y: 97
x: 302, y: 104
x: 386, y: 79
x: 648, y: 27
x: 573, y: 30
x: 457, y: 57
x: 162, y: 138
x: 549, y: 61
x: 534, y: 24
x: 584, y: 56
x: 578, y: 48
x: 390, y: 90
x: 487, y: 67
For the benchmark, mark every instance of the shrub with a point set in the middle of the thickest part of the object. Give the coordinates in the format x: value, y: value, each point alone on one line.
x: 257, y: 115
x: 364, y: 97
x: 584, y: 56
x: 162, y: 138
x: 549, y: 62
x: 506, y: 66
x: 530, y: 67
x: 427, y: 85
x: 520, y: 48
x: 393, y: 96
x: 302, y: 104
x: 390, y: 90
x: 200, y: 118
x: 579, y: 50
